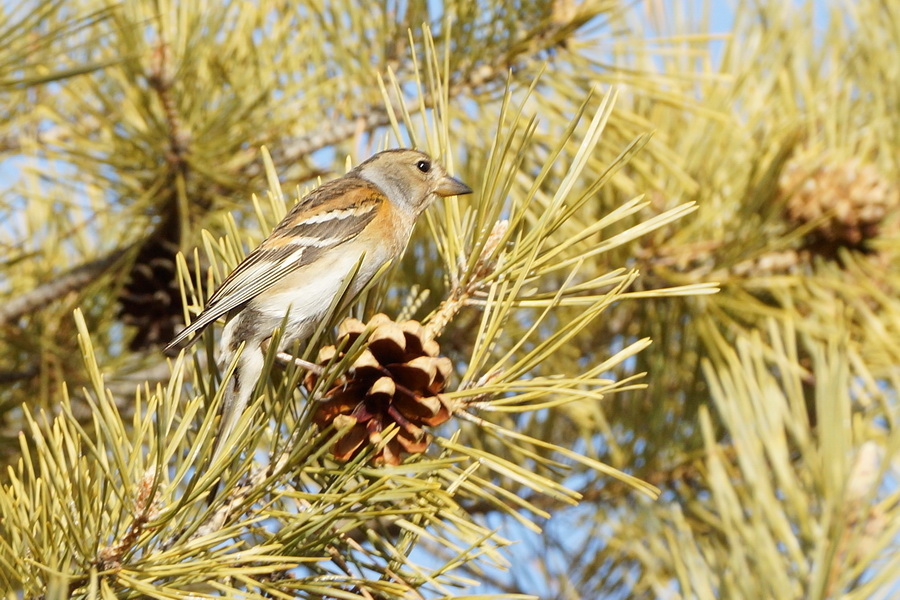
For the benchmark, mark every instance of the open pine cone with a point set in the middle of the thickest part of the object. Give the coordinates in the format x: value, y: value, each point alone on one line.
x: 397, y: 379
x: 854, y: 199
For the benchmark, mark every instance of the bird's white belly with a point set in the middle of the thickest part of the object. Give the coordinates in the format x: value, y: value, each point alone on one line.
x: 308, y: 293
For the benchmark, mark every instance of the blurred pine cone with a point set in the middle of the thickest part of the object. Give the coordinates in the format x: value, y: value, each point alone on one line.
x: 151, y: 299
x: 396, y: 380
x: 848, y: 199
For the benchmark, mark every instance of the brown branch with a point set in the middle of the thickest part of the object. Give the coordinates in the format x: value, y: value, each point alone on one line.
x: 460, y: 294
x: 162, y: 81
x: 13, y: 376
x: 110, y: 557
x: 70, y: 281
x: 14, y: 142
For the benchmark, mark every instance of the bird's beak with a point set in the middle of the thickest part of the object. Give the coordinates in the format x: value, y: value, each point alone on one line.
x: 450, y: 186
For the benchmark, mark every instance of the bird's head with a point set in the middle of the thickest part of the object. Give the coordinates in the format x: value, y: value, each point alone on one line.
x: 410, y: 178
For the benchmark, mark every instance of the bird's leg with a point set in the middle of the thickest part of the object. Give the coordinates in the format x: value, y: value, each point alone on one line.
x: 286, y: 358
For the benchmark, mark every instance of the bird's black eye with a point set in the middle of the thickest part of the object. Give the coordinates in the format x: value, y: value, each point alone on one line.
x: 423, y: 165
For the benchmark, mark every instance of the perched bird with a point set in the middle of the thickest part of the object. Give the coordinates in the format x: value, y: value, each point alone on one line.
x: 367, y: 215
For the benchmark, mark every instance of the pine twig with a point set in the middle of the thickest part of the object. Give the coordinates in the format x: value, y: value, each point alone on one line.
x: 68, y: 282
x: 459, y: 295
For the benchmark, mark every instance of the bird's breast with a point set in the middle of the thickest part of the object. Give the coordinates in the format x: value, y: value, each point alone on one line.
x: 309, y: 290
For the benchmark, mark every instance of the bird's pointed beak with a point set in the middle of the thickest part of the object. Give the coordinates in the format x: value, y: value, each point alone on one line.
x: 450, y: 186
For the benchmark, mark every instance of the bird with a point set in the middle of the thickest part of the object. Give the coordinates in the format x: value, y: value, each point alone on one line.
x: 364, y: 218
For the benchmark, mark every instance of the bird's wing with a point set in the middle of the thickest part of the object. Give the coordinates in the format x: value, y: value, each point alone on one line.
x: 331, y: 215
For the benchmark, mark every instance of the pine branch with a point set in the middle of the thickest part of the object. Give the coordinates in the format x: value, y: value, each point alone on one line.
x: 73, y: 280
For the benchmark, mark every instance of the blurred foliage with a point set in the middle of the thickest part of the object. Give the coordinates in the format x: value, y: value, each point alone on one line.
x: 623, y: 156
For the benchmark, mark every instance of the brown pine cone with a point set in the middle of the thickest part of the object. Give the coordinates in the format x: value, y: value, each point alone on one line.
x: 848, y: 200
x: 397, y: 379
